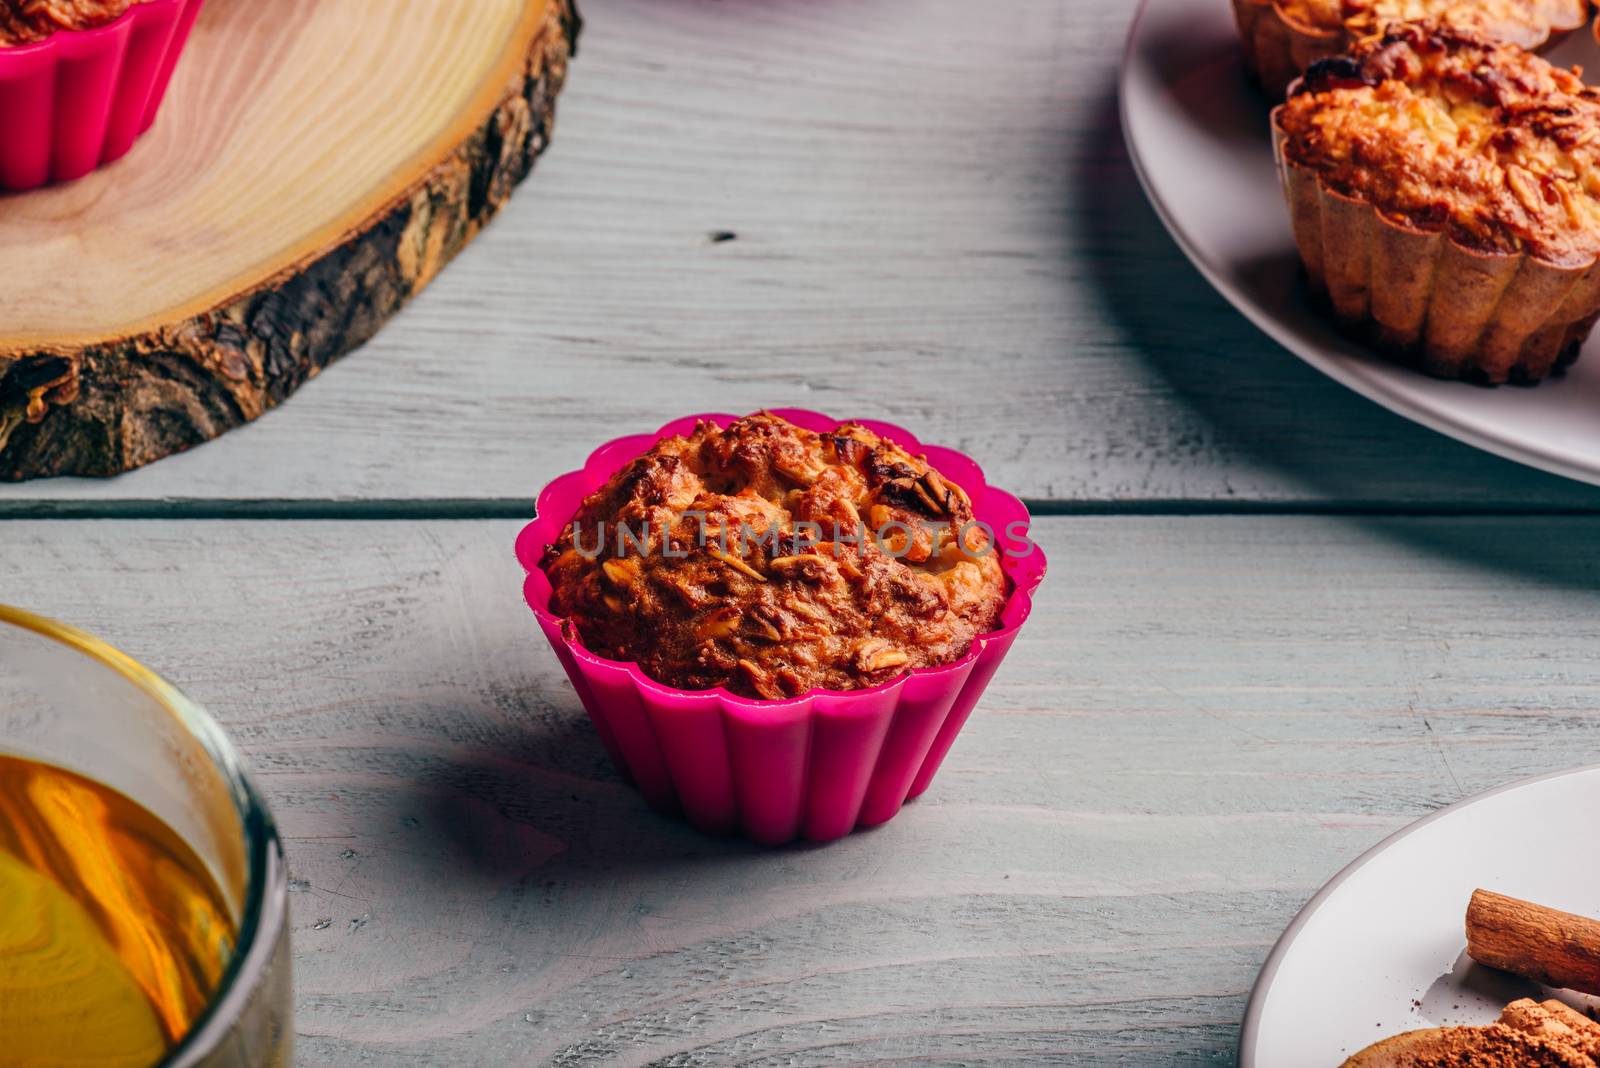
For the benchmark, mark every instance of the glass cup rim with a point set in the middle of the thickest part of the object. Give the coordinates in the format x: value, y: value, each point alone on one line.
x: 266, y: 887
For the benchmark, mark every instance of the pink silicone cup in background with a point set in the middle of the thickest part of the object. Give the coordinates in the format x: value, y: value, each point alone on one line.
x: 80, y: 98
x: 817, y: 766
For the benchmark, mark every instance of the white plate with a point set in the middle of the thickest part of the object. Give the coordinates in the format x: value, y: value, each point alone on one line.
x: 1381, y: 948
x: 1197, y: 133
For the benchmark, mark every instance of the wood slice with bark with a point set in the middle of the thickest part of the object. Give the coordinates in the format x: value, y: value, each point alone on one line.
x: 316, y: 164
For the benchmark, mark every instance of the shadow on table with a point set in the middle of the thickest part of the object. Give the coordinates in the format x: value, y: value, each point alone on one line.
x: 557, y: 787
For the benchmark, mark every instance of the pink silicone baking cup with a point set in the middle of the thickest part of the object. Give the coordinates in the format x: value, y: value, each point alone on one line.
x: 81, y: 98
x: 815, y: 767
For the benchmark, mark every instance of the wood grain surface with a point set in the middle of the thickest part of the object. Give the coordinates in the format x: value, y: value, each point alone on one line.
x: 936, y: 224
x: 918, y: 210
x: 1205, y: 719
x: 316, y: 166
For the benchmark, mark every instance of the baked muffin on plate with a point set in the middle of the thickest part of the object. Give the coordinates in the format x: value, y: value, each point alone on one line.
x: 779, y: 623
x: 80, y: 80
x: 1283, y: 37
x: 1445, y: 194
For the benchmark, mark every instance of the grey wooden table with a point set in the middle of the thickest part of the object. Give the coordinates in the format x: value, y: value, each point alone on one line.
x: 1280, y: 621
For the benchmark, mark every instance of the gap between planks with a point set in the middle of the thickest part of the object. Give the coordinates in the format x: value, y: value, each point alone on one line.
x: 449, y: 508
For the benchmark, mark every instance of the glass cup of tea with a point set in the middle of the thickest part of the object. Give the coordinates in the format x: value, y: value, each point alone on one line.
x: 143, y: 892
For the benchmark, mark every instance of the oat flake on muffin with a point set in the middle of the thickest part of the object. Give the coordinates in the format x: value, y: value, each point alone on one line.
x: 772, y: 560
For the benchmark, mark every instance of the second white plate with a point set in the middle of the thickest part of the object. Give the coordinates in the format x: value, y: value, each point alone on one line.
x: 1197, y: 132
x: 1381, y: 948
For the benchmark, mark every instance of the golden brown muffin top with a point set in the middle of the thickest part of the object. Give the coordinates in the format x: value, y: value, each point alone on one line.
x: 773, y: 560
x: 1524, y: 22
x: 26, y: 21
x: 1446, y: 131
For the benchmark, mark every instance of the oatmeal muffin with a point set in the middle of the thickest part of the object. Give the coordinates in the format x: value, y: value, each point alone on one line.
x: 1283, y: 37
x: 773, y: 560
x: 1445, y: 193
x: 27, y: 21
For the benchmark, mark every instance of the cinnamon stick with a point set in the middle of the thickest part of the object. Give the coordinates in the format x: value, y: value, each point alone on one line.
x: 1543, y: 944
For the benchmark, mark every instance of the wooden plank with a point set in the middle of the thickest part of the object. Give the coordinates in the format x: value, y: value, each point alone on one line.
x: 1206, y: 718
x: 936, y: 225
